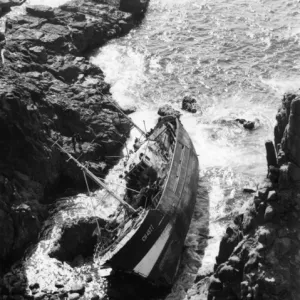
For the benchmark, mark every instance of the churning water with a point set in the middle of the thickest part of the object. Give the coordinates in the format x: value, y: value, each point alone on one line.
x: 236, y: 58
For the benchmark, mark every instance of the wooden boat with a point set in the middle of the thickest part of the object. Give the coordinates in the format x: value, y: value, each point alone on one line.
x: 161, y: 179
x: 151, y: 244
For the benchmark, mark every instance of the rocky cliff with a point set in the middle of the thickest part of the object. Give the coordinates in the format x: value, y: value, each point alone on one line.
x: 49, y: 91
x: 259, y: 255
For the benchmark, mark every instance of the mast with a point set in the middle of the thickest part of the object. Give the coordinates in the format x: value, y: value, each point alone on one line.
x: 96, y: 179
x: 120, y: 110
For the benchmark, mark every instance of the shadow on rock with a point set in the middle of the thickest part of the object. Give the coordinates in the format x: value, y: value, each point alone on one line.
x: 124, y: 286
x: 15, y: 284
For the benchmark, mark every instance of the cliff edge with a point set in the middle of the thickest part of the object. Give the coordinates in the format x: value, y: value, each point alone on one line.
x: 259, y: 255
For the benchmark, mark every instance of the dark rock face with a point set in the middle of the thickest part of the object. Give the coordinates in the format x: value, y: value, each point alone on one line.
x: 189, y: 104
x: 77, y: 239
x: 246, y: 124
x: 262, y: 264
x: 49, y: 91
x: 10, y: 3
x: 134, y: 6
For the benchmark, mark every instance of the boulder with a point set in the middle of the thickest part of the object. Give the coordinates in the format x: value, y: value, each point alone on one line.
x: 134, y: 6
x: 266, y: 235
x: 74, y: 296
x: 229, y: 241
x: 228, y: 274
x: 269, y: 213
x: 168, y: 110
x: 189, y: 104
x: 249, y: 125
x: 246, y: 124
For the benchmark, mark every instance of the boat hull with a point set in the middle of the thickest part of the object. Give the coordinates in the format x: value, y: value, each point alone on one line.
x: 153, y: 251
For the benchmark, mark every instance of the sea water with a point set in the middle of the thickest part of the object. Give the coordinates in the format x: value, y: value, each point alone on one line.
x: 236, y: 58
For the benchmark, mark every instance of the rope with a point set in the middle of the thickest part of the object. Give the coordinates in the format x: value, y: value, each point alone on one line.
x: 89, y: 193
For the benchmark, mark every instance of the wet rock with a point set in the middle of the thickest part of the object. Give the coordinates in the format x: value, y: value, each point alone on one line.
x: 74, y: 296
x: 228, y: 274
x: 266, y: 235
x: 249, y: 189
x: 246, y: 124
x: 34, y: 286
x: 134, y: 6
x: 77, y: 238
x: 248, y: 223
x: 273, y: 174
x: 241, y: 121
x: 168, y: 110
x: 39, y: 296
x: 189, y: 104
x: 272, y: 196
x: 271, y: 154
x: 59, y: 284
x: 249, y: 125
x: 77, y: 288
x: 215, y: 284
x: 40, y: 11
x: 228, y: 243
x: 5, y: 4
x: 269, y: 213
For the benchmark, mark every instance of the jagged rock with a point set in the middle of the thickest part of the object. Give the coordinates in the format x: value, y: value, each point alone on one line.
x: 266, y: 236
x: 272, y: 196
x: 39, y: 296
x: 294, y: 172
x: 168, y: 110
x: 267, y: 256
x: 7, y: 233
x: 273, y: 174
x: 40, y: 11
x: 189, y: 104
x: 77, y: 238
x: 228, y: 274
x: 34, y: 286
x: 47, y: 94
x: 246, y: 124
x: 59, y: 284
x: 9, y: 3
x: 271, y: 154
x: 249, y: 189
x: 77, y: 288
x: 134, y: 6
x: 291, y: 138
x: 269, y: 213
x: 249, y: 125
x: 227, y: 244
